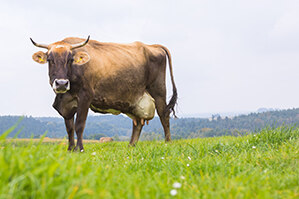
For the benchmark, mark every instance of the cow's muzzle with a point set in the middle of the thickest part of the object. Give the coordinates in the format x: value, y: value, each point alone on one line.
x: 61, y: 85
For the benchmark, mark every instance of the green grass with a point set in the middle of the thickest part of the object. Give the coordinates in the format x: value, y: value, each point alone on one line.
x: 264, y: 165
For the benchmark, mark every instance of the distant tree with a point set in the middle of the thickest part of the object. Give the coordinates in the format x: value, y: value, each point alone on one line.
x: 218, y: 118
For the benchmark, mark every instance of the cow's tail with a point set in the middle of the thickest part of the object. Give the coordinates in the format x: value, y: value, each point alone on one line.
x: 173, y: 101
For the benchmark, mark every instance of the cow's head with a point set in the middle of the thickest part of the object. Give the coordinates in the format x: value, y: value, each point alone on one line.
x: 61, y: 57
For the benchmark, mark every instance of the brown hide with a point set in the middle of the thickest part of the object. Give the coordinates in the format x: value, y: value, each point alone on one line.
x: 110, y: 80
x: 118, y: 74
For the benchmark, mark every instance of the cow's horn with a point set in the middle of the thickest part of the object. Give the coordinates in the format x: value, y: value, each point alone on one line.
x: 74, y: 46
x: 39, y: 45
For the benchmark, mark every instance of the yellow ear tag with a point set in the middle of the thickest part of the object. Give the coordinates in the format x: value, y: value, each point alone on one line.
x: 79, y: 60
x: 41, y: 59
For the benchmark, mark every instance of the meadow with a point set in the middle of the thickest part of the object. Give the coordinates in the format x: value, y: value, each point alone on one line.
x: 260, y: 165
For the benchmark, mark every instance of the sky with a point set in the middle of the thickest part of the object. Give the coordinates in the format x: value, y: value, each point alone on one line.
x: 228, y: 56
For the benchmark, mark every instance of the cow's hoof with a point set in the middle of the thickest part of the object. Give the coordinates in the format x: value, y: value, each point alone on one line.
x: 132, y: 145
x: 71, y: 148
x: 78, y: 149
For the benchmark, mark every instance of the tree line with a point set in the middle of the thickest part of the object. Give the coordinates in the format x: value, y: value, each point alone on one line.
x: 120, y: 126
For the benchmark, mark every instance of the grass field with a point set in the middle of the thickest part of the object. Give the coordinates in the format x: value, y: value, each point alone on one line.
x: 46, y: 139
x: 264, y: 165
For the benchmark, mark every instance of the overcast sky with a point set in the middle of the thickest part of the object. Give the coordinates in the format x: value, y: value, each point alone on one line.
x: 228, y: 56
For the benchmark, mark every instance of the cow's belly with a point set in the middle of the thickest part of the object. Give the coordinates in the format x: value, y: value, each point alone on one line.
x: 101, y: 110
x: 105, y: 105
x: 142, y: 108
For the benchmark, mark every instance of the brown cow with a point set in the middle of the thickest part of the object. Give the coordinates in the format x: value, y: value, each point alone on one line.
x: 108, y: 78
x: 106, y: 139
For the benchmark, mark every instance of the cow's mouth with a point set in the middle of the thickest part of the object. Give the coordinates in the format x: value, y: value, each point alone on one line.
x: 60, y: 90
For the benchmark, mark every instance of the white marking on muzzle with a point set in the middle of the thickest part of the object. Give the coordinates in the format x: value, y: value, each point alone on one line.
x: 54, y: 86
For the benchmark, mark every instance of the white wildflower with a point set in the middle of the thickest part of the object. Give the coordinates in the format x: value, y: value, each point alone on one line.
x: 216, y: 151
x: 162, y: 158
x: 188, y: 165
x: 253, y: 147
x: 183, y: 177
x: 82, y: 150
x: 173, y: 192
x: 142, y: 158
x: 93, y: 153
x: 189, y: 157
x: 177, y: 185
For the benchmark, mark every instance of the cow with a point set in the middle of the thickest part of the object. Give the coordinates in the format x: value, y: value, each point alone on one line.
x: 108, y: 78
x: 106, y: 139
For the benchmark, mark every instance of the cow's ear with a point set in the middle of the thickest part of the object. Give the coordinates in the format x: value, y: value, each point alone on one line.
x: 40, y: 57
x: 81, y: 58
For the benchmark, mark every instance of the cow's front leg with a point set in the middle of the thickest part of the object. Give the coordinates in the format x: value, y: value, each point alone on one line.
x: 82, y: 112
x: 69, y: 124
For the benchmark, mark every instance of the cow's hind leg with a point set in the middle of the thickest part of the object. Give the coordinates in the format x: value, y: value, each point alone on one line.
x: 164, y: 116
x: 69, y: 124
x: 136, y: 133
x: 158, y: 92
x: 157, y: 88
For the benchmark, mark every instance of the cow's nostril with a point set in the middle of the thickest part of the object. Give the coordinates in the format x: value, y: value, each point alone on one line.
x: 61, y: 85
x: 62, y: 82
